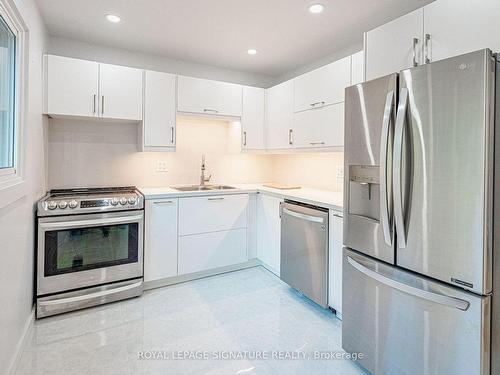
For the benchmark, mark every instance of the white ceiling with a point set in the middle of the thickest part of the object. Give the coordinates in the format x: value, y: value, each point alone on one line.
x: 219, y: 32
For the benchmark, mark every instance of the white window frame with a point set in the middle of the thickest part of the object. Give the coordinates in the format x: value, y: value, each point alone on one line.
x: 14, y: 178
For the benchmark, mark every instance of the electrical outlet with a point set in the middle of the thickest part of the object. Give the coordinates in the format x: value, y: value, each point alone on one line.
x: 340, y: 172
x: 161, y: 166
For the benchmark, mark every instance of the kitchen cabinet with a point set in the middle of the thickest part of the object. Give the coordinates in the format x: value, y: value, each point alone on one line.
x: 357, y: 68
x: 460, y: 26
x: 323, y: 86
x: 203, y: 96
x: 76, y: 87
x: 252, y: 118
x: 319, y: 127
x: 159, y: 123
x: 206, y: 251
x: 335, y: 261
x: 395, y: 45
x: 269, y: 232
x: 120, y: 91
x: 160, y: 239
x: 279, y: 116
x: 212, y: 213
x: 71, y: 86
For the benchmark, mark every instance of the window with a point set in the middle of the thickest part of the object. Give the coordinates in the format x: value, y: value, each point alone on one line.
x: 8, y: 102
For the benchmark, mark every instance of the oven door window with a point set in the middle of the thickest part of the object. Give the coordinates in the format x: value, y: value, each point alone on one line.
x: 80, y: 249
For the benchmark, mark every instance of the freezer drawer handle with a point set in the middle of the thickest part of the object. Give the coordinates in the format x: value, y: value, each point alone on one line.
x: 424, y: 294
x: 298, y: 215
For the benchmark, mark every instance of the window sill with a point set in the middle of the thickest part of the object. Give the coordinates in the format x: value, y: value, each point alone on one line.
x: 12, y: 192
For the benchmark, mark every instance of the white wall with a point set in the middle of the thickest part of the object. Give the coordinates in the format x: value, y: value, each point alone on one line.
x: 110, y: 55
x: 17, y: 219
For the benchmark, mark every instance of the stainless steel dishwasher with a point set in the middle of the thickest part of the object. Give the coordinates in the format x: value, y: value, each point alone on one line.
x: 304, y: 250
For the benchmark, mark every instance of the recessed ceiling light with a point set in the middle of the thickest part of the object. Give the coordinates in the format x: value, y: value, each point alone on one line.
x: 316, y: 8
x: 252, y: 51
x: 113, y: 18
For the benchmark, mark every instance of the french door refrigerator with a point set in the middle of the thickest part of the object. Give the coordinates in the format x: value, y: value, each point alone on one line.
x: 419, y: 273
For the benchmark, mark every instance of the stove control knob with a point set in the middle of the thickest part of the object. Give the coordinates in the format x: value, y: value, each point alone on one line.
x: 51, y: 205
x: 63, y: 204
x: 73, y: 204
x: 131, y: 200
x: 114, y: 201
x: 123, y: 201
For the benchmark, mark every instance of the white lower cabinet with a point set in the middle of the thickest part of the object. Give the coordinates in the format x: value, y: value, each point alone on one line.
x: 269, y: 232
x: 204, y: 251
x: 335, y: 262
x: 160, y: 242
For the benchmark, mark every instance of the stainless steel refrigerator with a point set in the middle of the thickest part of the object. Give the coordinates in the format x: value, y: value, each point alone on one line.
x: 420, y: 216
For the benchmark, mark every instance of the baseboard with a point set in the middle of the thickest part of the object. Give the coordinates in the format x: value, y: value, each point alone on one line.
x: 269, y: 268
x: 199, y: 275
x: 21, y: 344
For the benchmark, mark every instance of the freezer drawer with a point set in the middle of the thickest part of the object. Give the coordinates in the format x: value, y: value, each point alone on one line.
x: 304, y: 250
x: 408, y: 325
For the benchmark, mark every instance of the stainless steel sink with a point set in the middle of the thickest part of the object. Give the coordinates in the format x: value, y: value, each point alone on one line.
x: 202, y: 187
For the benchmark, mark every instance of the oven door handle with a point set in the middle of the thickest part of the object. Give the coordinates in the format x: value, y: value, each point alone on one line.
x: 93, y: 222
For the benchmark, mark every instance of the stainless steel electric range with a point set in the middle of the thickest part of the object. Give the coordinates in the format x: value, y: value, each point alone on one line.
x: 90, y: 248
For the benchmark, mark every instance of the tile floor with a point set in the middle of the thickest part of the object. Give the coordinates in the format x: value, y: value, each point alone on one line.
x: 249, y: 310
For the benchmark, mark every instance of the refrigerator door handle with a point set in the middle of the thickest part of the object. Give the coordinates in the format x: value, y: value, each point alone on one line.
x: 442, y: 299
x: 385, y: 211
x: 398, y: 160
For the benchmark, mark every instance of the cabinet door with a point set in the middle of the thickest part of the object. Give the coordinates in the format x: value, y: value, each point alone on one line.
x: 120, y: 90
x: 204, y: 96
x: 391, y: 47
x: 279, y: 116
x: 71, y: 86
x: 159, y: 110
x: 357, y: 68
x: 252, y: 118
x: 320, y: 127
x: 335, y: 262
x: 460, y: 26
x: 323, y: 86
x: 160, y: 250
x: 269, y: 232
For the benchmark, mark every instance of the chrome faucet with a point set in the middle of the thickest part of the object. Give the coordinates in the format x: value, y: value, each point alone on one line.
x: 202, y: 177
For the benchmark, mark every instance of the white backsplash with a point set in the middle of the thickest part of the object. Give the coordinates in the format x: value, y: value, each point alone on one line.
x: 91, y: 153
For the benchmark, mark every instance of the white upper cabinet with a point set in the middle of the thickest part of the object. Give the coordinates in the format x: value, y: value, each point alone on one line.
x: 321, y: 127
x: 159, y: 111
x: 120, y: 91
x: 208, y: 97
x: 357, y: 68
x: 323, y: 86
x: 252, y: 118
x: 460, y: 26
x: 395, y: 46
x: 85, y: 88
x: 279, y: 116
x: 71, y: 86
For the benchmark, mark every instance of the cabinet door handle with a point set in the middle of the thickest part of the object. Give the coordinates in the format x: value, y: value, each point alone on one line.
x: 244, y: 138
x: 317, y: 143
x: 102, y: 105
x: 172, y: 134
x: 210, y: 110
x: 426, y: 45
x: 216, y: 199
x: 163, y: 202
x: 93, y: 103
x: 414, y: 47
x: 317, y: 104
x: 290, y: 136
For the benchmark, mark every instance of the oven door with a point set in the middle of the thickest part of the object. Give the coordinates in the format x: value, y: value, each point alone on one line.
x: 86, y: 250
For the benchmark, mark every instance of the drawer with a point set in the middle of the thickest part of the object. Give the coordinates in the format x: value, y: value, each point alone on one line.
x: 212, y: 213
x: 205, y: 251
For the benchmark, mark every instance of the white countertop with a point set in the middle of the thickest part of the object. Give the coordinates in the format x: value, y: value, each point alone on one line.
x: 324, y: 198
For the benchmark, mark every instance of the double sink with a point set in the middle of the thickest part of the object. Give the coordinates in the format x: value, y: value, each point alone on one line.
x: 202, y: 187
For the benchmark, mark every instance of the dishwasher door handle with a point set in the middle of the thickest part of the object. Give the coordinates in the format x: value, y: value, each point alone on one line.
x: 298, y: 215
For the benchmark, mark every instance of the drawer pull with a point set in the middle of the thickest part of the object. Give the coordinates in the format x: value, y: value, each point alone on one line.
x: 216, y: 199
x: 317, y: 104
x: 163, y: 202
x: 317, y: 143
